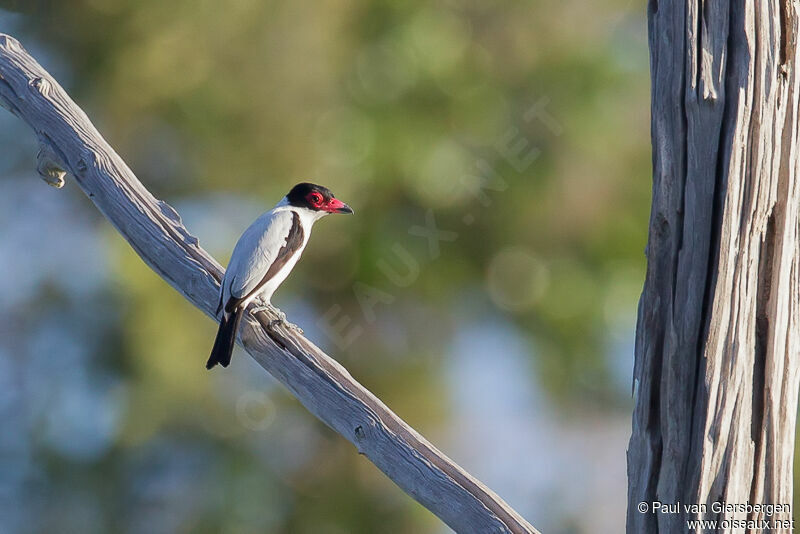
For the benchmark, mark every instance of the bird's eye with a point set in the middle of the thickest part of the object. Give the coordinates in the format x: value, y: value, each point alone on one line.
x: 315, y: 198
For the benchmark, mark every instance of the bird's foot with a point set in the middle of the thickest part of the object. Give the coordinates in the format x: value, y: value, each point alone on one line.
x: 260, y: 305
x: 281, y: 320
x: 278, y: 312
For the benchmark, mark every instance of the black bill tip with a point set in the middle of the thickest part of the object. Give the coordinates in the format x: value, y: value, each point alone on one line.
x: 344, y: 208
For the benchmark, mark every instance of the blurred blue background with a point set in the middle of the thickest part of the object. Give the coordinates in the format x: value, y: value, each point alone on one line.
x: 519, y: 129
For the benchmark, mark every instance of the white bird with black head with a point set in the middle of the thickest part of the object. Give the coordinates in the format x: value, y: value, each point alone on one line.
x: 265, y: 255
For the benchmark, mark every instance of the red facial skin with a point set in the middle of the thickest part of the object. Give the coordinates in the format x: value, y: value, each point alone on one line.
x: 335, y: 205
x: 316, y: 200
x: 332, y: 205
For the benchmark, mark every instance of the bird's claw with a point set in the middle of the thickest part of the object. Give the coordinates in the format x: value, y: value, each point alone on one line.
x: 279, y: 313
x: 281, y: 320
x: 260, y: 305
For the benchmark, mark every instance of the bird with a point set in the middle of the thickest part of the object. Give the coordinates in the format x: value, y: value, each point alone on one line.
x: 264, y: 256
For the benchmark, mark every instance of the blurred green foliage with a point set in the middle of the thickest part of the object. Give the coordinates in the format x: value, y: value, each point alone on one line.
x: 399, y: 107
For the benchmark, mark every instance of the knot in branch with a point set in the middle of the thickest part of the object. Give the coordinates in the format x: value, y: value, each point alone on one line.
x: 49, y: 167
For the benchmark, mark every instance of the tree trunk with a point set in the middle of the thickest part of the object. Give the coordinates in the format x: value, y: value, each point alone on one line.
x: 716, y: 372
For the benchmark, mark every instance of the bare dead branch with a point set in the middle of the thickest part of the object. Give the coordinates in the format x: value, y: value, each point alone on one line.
x: 70, y: 143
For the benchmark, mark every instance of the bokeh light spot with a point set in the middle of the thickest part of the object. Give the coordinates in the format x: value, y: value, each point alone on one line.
x: 516, y: 279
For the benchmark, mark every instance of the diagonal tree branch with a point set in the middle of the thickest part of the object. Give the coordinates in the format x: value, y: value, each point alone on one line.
x: 69, y: 143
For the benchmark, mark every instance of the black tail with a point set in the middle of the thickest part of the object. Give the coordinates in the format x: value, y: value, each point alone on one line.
x: 226, y: 339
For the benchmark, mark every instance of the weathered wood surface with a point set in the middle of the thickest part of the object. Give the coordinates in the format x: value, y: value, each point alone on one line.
x: 69, y: 142
x: 717, y: 344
